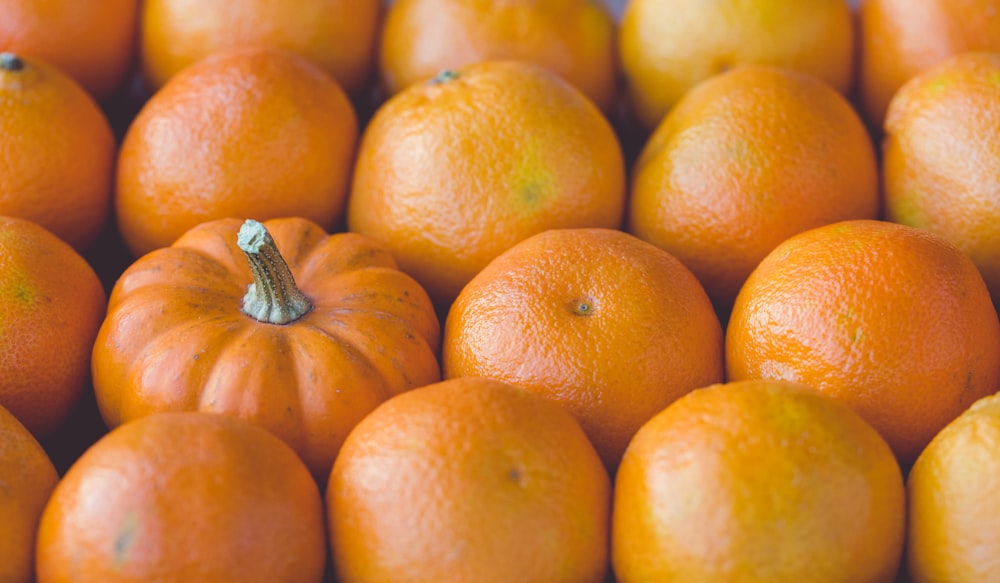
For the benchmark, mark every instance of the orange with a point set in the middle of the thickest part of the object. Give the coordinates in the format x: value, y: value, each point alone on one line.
x: 608, y: 326
x: 892, y: 320
x: 940, y: 151
x: 452, y: 172
x: 27, y: 477
x: 468, y: 480
x: 181, y: 497
x: 91, y: 41
x: 745, y: 160
x: 574, y: 38
x: 952, y: 531
x: 51, y: 306
x: 255, y: 133
x: 337, y: 35
x: 57, y: 151
x: 668, y: 46
x: 900, y: 38
x: 758, y: 481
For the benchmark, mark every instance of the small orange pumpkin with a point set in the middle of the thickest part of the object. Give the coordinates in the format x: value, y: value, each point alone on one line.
x: 306, y: 351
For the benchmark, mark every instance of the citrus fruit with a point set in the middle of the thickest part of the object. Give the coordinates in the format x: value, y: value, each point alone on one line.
x: 757, y: 481
x: 181, y: 497
x: 57, y: 151
x: 596, y: 320
x: 93, y: 42
x: 668, y: 46
x: 745, y: 160
x: 900, y: 38
x: 51, y: 306
x: 469, y: 480
x: 892, y: 320
x: 337, y: 35
x: 942, y: 140
x: 575, y: 38
x: 254, y: 133
x: 951, y: 489
x: 27, y: 478
x: 452, y: 172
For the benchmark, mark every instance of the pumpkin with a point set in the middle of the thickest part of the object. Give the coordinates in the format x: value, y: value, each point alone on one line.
x: 278, y: 323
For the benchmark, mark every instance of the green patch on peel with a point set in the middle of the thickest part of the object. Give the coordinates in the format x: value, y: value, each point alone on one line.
x: 532, y: 180
x: 907, y: 210
x: 125, y: 540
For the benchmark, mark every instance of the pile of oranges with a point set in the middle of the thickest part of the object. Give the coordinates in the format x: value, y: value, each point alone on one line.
x: 455, y: 290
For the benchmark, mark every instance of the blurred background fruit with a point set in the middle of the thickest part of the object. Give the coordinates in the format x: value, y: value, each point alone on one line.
x: 183, y: 497
x: 596, y: 320
x: 254, y: 133
x: 574, y: 38
x: 57, y: 151
x: 757, y: 481
x: 337, y: 35
x: 52, y: 306
x: 900, y: 38
x: 668, y: 46
x: 469, y: 481
x: 452, y: 172
x: 940, y: 155
x: 892, y: 320
x: 746, y: 159
x: 952, y: 498
x: 92, y: 41
x: 28, y: 478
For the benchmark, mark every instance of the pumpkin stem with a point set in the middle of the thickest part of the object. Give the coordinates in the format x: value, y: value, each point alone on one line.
x: 273, y: 296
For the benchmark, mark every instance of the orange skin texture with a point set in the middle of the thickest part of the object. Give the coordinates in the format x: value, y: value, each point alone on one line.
x: 940, y: 154
x: 57, y: 153
x: 469, y: 481
x: 27, y: 478
x: 337, y: 35
x: 51, y: 305
x: 951, y: 492
x: 183, y: 497
x: 574, y: 38
x: 745, y: 160
x: 596, y: 320
x: 892, y: 320
x: 669, y: 46
x: 256, y: 132
x: 901, y: 38
x: 93, y: 42
x: 176, y: 338
x: 450, y: 174
x: 758, y: 481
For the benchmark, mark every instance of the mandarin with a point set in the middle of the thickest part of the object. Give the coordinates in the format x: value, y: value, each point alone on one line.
x: 668, y: 46
x: 258, y: 133
x: 452, y: 172
x: 953, y: 534
x: 940, y: 154
x: 745, y: 160
x: 182, y: 497
x: 575, y: 38
x: 91, y: 41
x: 57, y: 151
x: 900, y: 38
x: 608, y: 326
x: 892, y: 320
x: 337, y: 35
x: 757, y: 481
x: 51, y: 306
x: 27, y: 478
x: 469, y: 480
